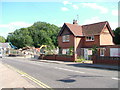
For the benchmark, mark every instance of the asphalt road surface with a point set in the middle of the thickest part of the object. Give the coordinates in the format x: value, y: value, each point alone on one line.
x: 65, y: 76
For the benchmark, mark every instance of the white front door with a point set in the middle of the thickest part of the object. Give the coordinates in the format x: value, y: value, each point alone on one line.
x: 86, y: 53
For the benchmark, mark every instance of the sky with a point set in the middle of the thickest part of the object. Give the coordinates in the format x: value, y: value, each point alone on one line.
x: 16, y: 14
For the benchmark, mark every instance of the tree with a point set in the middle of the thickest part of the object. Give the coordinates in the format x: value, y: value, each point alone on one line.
x: 20, y: 38
x: 44, y: 33
x: 116, y: 39
x: 2, y: 39
x: 40, y: 33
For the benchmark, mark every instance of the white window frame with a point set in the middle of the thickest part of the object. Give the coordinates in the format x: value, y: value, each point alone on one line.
x: 102, y: 52
x: 91, y: 38
x: 64, y: 38
x: 65, y: 51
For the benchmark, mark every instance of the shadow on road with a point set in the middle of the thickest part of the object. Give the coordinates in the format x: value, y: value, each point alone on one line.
x: 67, y: 80
x: 73, y: 78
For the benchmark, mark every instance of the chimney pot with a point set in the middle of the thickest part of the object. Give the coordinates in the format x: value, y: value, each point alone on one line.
x: 75, y: 22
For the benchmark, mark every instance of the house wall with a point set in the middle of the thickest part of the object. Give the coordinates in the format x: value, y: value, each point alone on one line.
x: 107, y: 49
x: 78, y: 43
x: 66, y: 44
x: 91, y: 43
x: 105, y: 37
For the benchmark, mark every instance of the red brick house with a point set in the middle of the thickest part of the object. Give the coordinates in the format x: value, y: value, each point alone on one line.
x: 83, y: 37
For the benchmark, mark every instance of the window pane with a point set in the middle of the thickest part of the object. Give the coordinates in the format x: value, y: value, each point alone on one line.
x: 64, y: 51
x: 92, y: 37
x: 89, y: 38
x: 66, y: 38
x: 63, y: 38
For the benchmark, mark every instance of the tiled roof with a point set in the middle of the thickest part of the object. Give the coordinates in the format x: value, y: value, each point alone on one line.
x: 90, y: 29
x: 75, y: 29
x: 93, y: 29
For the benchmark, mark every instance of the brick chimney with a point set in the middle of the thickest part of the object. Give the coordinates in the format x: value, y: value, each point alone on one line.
x: 75, y: 21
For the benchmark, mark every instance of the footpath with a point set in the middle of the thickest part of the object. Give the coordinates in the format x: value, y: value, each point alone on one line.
x: 87, y: 65
x: 10, y: 79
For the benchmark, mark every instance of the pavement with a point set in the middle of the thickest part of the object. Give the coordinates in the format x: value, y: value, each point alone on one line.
x: 87, y: 65
x: 11, y: 79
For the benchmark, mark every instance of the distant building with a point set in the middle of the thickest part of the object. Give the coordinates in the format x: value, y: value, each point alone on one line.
x: 5, y: 48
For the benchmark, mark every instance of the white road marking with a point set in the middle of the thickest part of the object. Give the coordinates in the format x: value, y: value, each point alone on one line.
x: 115, y: 78
x: 69, y: 70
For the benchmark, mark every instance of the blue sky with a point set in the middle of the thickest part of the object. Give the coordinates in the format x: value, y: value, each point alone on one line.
x: 15, y: 15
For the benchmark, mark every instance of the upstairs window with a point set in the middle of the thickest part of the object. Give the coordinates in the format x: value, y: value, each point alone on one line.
x: 89, y: 38
x: 66, y: 38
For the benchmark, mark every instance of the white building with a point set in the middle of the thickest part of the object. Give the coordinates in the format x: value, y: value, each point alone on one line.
x: 4, y: 48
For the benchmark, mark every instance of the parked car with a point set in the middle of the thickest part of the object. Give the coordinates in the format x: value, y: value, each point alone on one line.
x: 0, y: 54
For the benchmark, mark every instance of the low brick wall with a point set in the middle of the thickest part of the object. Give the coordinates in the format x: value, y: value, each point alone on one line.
x: 59, y: 57
x: 107, y: 60
x: 65, y: 58
x: 50, y: 57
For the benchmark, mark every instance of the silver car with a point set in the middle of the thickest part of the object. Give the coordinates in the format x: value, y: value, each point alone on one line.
x: 0, y: 54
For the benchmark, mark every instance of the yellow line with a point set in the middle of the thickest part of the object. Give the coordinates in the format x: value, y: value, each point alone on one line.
x: 31, y: 78
x: 34, y: 79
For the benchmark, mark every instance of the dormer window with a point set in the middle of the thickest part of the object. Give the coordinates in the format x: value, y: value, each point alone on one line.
x: 89, y: 38
x: 66, y: 38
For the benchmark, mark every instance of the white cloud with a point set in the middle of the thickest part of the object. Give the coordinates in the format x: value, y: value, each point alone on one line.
x: 7, y: 28
x: 75, y: 7
x: 95, y: 6
x: 4, y: 25
x: 115, y: 12
x: 15, y: 24
x: 91, y: 20
x: 113, y: 25
x: 60, y: 25
x: 20, y: 24
x: 66, y: 2
x: 64, y: 9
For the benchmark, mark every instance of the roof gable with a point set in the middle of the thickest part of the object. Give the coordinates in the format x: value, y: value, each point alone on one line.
x: 64, y: 28
x: 75, y: 29
x: 109, y: 29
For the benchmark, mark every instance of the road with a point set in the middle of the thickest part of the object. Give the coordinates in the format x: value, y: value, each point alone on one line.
x: 65, y: 76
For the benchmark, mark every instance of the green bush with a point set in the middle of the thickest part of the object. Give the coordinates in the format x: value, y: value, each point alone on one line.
x: 80, y: 59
